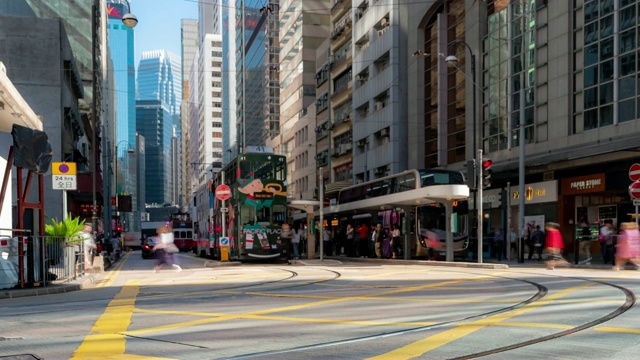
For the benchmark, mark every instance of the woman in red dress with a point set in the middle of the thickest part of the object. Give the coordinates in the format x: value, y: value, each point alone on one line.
x: 553, y: 245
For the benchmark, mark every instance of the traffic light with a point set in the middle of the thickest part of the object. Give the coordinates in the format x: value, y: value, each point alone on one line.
x: 486, y: 173
x: 504, y: 202
x: 471, y: 174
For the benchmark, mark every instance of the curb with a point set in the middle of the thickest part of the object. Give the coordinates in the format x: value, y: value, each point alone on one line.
x: 85, y: 283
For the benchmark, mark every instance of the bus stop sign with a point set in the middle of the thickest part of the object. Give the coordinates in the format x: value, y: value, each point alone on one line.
x: 223, y: 192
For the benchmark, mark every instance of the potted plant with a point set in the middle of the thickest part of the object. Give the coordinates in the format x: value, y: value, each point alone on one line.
x: 63, y: 240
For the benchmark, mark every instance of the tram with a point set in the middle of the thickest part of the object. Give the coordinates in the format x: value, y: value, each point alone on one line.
x: 415, y: 200
x: 254, y: 214
x: 184, y: 235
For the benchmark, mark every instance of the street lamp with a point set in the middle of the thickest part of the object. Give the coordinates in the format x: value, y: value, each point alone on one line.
x: 452, y: 61
x: 129, y: 21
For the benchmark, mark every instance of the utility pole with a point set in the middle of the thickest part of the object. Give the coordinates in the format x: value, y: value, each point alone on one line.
x: 479, y: 186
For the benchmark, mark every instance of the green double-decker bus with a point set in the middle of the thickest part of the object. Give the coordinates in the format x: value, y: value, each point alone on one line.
x: 253, y: 216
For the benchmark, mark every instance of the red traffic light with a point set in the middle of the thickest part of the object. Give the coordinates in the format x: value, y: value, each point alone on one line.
x: 486, y: 163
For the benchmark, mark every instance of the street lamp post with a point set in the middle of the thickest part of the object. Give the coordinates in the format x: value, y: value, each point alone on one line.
x: 129, y: 21
x: 452, y: 60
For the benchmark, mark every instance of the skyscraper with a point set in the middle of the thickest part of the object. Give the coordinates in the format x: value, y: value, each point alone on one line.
x: 159, y: 98
x: 229, y: 126
x: 189, y: 42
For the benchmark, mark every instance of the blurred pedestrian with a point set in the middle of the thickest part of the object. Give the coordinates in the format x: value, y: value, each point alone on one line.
x: 606, y: 241
x: 350, y: 246
x: 295, y: 243
x: 165, y: 249
x: 498, y: 243
x: 584, y: 248
x: 395, y: 242
x: 363, y: 232
x: 89, y: 245
x: 553, y: 246
x: 537, y: 243
x: 628, y: 246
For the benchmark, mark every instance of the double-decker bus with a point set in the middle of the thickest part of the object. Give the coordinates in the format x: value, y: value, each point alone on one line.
x: 416, y: 201
x: 254, y: 214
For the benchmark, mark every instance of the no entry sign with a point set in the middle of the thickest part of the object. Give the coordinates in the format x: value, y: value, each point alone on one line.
x: 223, y: 192
x: 634, y: 172
x: 634, y: 190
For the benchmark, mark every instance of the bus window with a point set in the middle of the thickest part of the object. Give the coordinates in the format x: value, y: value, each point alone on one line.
x: 245, y: 169
x: 263, y: 169
x: 279, y: 214
x: 281, y: 166
x: 247, y: 215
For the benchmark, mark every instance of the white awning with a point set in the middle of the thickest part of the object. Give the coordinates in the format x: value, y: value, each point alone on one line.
x: 13, y: 108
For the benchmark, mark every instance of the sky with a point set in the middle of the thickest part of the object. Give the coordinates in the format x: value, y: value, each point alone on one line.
x: 159, y: 24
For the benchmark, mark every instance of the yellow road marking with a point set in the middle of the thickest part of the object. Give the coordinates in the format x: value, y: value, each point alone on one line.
x: 618, y: 330
x: 294, y: 307
x: 111, y: 275
x: 106, y: 340
x: 423, y: 346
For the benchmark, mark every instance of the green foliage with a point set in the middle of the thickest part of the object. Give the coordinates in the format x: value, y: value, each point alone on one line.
x: 67, y: 228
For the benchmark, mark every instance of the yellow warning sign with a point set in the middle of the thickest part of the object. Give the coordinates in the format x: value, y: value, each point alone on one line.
x: 63, y: 168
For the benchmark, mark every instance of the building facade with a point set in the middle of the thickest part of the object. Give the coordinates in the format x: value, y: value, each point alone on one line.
x: 190, y: 44
x: 555, y: 77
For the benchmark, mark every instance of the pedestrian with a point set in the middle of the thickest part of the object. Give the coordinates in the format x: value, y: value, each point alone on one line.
x: 513, y: 243
x: 350, y: 246
x: 395, y: 242
x: 285, y: 237
x: 628, y: 246
x: 363, y: 231
x: 295, y: 243
x: 537, y: 243
x: 584, y: 241
x: 86, y: 234
x: 386, y: 243
x: 326, y: 241
x: 606, y: 241
x: 377, y: 237
x: 498, y: 243
x: 553, y: 246
x: 165, y: 249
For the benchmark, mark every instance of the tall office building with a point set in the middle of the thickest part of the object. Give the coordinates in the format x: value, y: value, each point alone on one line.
x: 257, y: 72
x: 189, y: 45
x: 153, y: 122
x: 229, y: 124
x: 160, y: 80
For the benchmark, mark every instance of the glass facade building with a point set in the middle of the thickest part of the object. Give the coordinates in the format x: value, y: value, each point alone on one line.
x: 153, y: 122
x: 160, y: 78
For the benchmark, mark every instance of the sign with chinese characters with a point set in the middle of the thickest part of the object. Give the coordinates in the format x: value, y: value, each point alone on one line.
x: 64, y: 182
x: 583, y: 184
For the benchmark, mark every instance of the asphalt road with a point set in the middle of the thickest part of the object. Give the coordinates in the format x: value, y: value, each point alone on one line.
x: 330, y: 310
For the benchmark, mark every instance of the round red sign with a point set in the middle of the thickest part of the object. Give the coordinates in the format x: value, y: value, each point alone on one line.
x: 223, y: 192
x: 634, y: 190
x: 634, y: 172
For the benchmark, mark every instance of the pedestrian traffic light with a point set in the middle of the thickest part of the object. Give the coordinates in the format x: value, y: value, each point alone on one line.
x: 486, y: 173
x: 471, y: 173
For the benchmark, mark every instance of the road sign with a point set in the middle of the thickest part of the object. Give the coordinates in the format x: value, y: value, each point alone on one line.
x: 634, y: 172
x: 634, y: 190
x: 63, y: 168
x: 223, y: 192
x: 224, y: 241
x: 636, y: 202
x: 224, y: 248
x: 64, y: 182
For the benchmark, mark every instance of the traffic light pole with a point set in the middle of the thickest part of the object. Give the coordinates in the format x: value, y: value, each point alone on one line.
x: 478, y: 204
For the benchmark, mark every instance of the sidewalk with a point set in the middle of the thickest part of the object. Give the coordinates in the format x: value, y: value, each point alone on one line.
x: 55, y: 288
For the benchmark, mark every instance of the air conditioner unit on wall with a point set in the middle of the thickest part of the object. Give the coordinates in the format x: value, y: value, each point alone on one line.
x: 379, y: 105
x: 384, y: 132
x: 384, y: 22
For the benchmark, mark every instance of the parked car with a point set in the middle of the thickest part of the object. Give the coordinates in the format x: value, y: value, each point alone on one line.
x: 147, y: 247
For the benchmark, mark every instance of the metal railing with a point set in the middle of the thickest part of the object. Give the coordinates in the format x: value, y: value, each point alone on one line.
x: 32, y: 261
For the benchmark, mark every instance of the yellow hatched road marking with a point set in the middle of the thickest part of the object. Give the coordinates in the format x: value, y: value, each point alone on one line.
x: 423, y: 346
x: 107, y: 340
x: 111, y: 275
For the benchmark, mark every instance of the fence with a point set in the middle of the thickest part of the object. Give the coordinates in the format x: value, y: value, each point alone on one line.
x: 32, y: 261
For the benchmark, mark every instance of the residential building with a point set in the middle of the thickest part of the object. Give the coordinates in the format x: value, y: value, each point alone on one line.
x: 299, y: 37
x: 190, y: 44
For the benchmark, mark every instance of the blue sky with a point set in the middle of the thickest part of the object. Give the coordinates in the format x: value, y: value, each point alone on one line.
x: 159, y: 24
